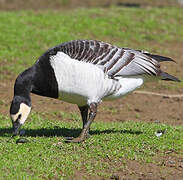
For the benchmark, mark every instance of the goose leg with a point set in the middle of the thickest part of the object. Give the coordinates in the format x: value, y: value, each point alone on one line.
x: 84, y: 115
x: 86, y: 126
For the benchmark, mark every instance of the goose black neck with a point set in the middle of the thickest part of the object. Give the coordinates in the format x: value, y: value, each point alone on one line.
x: 23, y: 85
x: 44, y: 82
x: 38, y: 79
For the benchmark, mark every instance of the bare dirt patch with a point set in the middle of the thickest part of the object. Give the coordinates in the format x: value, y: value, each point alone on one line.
x: 72, y: 4
x: 168, y: 167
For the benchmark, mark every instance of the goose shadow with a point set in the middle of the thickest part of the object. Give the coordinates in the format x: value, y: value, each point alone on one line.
x: 63, y: 132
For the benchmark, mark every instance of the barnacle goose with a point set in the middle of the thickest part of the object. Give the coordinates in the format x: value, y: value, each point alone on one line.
x: 84, y: 72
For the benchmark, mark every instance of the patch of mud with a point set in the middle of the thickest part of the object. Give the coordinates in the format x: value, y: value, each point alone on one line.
x: 151, y: 171
x: 168, y: 167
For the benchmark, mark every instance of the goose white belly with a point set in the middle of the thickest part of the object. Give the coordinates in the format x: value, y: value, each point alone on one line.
x: 128, y: 85
x: 79, y: 82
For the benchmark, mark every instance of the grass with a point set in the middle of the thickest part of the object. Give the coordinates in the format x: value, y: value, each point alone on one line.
x: 65, y: 115
x: 111, y: 110
x: 46, y: 156
x: 25, y: 35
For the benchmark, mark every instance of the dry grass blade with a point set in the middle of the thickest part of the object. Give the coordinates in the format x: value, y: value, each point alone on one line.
x: 159, y: 94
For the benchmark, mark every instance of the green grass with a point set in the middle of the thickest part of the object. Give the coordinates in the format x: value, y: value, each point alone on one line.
x: 111, y: 110
x: 25, y: 35
x: 46, y: 156
x: 66, y: 115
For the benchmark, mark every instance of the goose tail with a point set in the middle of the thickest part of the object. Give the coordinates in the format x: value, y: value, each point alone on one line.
x: 159, y: 58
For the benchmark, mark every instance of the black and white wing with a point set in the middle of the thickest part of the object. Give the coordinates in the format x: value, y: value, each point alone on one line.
x: 116, y: 61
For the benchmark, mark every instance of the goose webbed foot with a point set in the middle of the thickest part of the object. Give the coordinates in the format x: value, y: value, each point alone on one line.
x: 74, y: 140
x: 77, y: 139
x: 86, y: 124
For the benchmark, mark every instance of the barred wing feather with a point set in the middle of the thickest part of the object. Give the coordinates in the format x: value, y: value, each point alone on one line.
x: 114, y: 60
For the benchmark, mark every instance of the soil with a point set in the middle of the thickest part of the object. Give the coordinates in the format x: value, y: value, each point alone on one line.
x: 134, y: 107
x: 169, y: 167
x: 68, y: 4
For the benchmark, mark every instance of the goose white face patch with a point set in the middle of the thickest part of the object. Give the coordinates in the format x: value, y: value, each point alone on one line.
x: 23, y: 113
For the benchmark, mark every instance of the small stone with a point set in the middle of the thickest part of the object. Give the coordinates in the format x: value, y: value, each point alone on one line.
x: 171, y: 162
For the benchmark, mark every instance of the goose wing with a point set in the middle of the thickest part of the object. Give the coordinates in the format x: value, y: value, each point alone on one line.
x: 114, y: 60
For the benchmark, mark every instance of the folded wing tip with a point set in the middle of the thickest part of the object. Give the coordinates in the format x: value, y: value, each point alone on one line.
x: 167, y: 77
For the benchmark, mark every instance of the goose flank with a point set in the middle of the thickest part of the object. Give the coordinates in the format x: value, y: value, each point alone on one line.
x: 84, y: 72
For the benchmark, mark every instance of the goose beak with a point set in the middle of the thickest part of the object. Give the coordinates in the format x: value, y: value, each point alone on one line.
x: 19, y: 118
x: 16, y: 127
